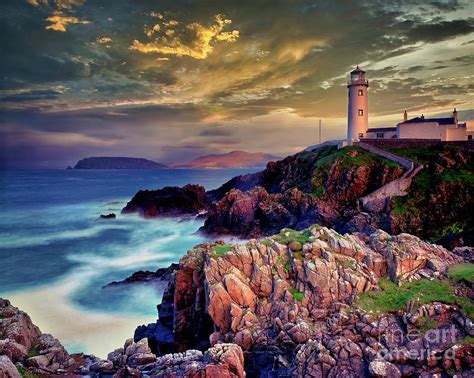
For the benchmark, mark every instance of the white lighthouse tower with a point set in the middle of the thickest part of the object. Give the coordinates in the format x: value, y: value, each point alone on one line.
x: 358, y: 115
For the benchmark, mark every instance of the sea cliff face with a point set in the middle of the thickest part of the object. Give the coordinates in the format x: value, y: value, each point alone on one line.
x: 305, y: 304
x: 300, y: 303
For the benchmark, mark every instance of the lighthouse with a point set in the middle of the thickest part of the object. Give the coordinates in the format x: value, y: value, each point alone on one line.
x: 358, y: 115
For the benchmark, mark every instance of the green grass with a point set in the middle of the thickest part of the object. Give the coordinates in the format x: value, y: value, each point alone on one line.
x: 393, y: 297
x: 266, y: 242
x: 221, y: 250
x: 25, y: 373
x: 462, y: 272
x: 33, y: 350
x: 467, y: 340
x: 347, y: 264
x: 293, y: 236
x: 296, y: 294
x: 345, y: 161
x: 362, y: 158
x: 426, y: 324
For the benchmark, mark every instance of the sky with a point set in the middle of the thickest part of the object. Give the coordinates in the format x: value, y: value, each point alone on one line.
x: 172, y: 80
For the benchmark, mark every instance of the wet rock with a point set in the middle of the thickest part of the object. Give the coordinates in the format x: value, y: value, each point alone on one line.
x: 161, y: 275
x: 169, y: 201
x: 107, y: 216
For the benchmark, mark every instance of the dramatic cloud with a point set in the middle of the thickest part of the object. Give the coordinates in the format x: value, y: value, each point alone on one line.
x: 59, y: 22
x: 194, y: 40
x: 104, y: 40
x: 60, y: 18
x: 173, y: 79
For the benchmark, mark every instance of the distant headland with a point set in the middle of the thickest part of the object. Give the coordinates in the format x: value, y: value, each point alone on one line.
x: 233, y: 159
x: 105, y: 162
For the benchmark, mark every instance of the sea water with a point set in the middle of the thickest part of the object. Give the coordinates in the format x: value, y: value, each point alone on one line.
x: 56, y: 256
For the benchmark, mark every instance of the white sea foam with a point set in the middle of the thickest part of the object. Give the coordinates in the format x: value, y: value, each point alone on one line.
x: 93, y: 332
x: 13, y: 241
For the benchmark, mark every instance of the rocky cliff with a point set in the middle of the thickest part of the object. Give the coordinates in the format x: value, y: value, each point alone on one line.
x: 300, y: 303
x: 328, y: 186
x: 317, y: 303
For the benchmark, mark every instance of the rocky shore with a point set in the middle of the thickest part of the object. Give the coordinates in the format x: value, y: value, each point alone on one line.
x: 327, y: 186
x: 309, y: 303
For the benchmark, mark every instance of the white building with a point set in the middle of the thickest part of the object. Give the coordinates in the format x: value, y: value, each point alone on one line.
x: 443, y: 129
x: 358, y: 111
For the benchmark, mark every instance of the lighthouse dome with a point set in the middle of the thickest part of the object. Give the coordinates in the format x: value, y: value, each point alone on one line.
x: 357, y: 74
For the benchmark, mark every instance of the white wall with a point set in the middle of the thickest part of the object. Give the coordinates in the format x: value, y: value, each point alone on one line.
x: 456, y: 134
x: 357, y: 124
x: 431, y: 130
x: 425, y: 130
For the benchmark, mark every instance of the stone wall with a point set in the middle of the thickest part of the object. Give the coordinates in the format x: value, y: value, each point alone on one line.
x: 376, y: 200
x: 411, y: 143
x: 388, y: 155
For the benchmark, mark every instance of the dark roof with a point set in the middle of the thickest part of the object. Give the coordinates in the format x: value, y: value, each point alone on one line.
x: 441, y: 121
x: 381, y: 129
x: 357, y: 70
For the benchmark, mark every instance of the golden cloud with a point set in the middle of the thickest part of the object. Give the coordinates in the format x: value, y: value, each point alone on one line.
x: 60, y: 21
x: 104, y: 40
x: 37, y: 3
x: 194, y: 40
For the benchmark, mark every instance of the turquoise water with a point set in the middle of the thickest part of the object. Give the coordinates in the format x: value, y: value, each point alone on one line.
x: 56, y: 255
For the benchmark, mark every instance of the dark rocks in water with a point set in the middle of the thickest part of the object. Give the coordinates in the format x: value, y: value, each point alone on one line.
x: 162, y: 274
x: 105, y: 162
x: 183, y: 322
x: 108, y: 216
x: 169, y: 201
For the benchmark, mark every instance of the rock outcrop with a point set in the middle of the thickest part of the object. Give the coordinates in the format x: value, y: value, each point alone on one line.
x: 290, y: 303
x: 22, y: 342
x: 331, y: 187
x: 160, y: 275
x: 169, y: 202
x: 256, y: 212
x: 297, y: 304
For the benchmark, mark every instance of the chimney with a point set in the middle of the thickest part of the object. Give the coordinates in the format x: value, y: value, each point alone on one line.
x: 455, y: 116
x: 405, y: 116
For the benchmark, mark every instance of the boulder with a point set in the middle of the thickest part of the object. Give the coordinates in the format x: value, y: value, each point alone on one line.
x: 7, y: 369
x: 383, y: 369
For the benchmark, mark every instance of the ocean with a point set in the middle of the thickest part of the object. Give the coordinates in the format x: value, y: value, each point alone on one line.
x: 56, y: 255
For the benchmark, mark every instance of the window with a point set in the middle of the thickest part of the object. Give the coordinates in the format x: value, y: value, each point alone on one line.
x: 361, y: 112
x: 469, y: 137
x: 361, y: 92
x: 380, y: 135
x: 361, y: 135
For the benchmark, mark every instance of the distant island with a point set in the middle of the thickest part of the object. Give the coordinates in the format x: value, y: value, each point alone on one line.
x: 234, y: 159
x: 105, y: 162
